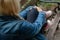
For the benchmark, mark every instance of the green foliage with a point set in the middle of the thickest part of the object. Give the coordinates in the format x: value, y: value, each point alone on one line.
x: 45, y: 5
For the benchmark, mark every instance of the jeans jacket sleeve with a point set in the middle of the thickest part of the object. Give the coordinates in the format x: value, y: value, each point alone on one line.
x: 31, y: 30
x: 24, y: 12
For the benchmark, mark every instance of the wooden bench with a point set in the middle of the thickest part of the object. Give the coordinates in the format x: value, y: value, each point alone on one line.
x: 52, y: 30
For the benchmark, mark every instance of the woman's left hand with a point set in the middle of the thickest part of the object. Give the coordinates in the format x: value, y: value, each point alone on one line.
x: 38, y: 8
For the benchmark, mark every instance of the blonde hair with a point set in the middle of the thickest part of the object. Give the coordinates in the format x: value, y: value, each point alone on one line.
x: 9, y: 7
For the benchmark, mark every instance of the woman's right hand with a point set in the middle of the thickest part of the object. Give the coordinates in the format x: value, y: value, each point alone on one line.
x: 48, y: 13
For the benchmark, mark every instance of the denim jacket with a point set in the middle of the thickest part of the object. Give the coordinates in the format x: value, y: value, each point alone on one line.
x: 14, y: 29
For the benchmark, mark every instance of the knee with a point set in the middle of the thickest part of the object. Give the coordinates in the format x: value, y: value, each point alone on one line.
x: 30, y: 7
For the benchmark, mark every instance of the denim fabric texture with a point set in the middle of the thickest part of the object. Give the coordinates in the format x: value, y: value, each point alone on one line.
x: 13, y: 29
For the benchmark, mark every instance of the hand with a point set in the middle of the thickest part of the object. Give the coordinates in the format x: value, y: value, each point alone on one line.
x: 38, y: 8
x: 48, y: 13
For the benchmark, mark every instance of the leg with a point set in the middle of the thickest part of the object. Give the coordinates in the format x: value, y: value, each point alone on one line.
x: 32, y: 15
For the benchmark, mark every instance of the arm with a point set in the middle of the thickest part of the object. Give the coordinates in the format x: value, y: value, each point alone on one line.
x: 23, y: 28
x: 24, y: 12
x: 31, y: 30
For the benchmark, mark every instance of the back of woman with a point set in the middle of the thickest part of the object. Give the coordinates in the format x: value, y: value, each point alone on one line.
x: 8, y: 19
x: 14, y: 27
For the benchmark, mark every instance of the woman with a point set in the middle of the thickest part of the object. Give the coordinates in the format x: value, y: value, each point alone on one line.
x: 14, y: 27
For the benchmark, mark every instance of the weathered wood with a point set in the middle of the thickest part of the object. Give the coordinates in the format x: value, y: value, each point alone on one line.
x: 53, y: 28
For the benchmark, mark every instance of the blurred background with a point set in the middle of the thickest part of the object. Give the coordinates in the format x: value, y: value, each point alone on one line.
x: 45, y: 6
